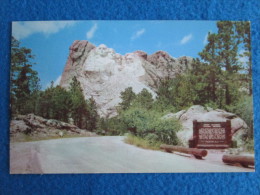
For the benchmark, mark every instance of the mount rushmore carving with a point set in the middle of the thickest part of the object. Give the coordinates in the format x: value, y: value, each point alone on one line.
x: 103, y: 73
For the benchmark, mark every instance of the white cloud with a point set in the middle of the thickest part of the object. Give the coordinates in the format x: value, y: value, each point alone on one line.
x: 138, y: 33
x: 22, y: 30
x: 186, y: 39
x: 90, y: 34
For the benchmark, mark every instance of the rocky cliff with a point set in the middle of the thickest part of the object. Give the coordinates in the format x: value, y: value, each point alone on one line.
x: 103, y: 73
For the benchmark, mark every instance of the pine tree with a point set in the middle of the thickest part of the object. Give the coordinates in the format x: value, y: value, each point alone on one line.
x: 211, y: 69
x: 61, y: 102
x: 127, y: 97
x: 79, y: 111
x: 228, y: 53
x: 222, y: 66
x: 92, y: 114
x: 24, y: 80
x: 144, y: 99
x: 244, y: 36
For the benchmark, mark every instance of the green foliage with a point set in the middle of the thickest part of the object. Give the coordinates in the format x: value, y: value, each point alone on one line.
x: 250, y: 145
x: 165, y: 130
x: 54, y: 103
x: 24, y: 80
x: 221, y: 54
x: 138, y: 120
x: 79, y: 109
x: 142, y: 117
x: 244, y: 109
x: 162, y: 105
x: 144, y: 99
x: 127, y: 97
x: 171, y: 92
x: 180, y: 92
x: 83, y: 112
x: 141, y: 122
x: 61, y: 104
x: 92, y: 118
x: 146, y: 143
x: 217, y: 79
x: 151, y: 138
x: 111, y: 126
x: 244, y: 36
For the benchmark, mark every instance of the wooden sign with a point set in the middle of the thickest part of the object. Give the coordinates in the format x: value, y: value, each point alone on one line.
x: 211, y: 135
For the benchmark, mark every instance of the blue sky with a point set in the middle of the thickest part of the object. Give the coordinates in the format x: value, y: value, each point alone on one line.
x: 50, y: 40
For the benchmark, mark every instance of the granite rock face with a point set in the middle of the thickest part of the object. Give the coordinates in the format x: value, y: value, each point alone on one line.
x: 238, y: 127
x: 38, y: 127
x: 103, y: 73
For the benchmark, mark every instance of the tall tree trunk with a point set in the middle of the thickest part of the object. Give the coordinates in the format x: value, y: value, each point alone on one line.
x: 228, y: 99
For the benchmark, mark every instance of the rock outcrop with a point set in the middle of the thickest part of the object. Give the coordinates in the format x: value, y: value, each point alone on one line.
x: 104, y: 74
x: 37, y: 127
x: 238, y: 126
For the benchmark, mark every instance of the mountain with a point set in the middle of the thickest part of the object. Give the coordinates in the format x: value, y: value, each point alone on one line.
x: 103, y: 73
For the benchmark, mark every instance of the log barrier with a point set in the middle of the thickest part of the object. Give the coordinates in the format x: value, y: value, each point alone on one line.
x: 198, y: 153
x: 245, y: 161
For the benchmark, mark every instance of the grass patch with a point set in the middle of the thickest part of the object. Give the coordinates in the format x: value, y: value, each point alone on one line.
x: 141, y: 142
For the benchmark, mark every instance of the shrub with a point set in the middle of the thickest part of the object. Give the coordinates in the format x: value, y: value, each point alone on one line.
x: 111, y: 126
x: 244, y: 109
x: 250, y: 145
x: 151, y: 138
x: 141, y: 142
x: 138, y: 120
x: 166, y: 130
x: 150, y: 125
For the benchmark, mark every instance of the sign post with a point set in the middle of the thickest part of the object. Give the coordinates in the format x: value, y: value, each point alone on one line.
x: 211, y: 135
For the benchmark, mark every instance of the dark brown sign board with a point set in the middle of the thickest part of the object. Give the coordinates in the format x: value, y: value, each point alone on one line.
x: 211, y: 135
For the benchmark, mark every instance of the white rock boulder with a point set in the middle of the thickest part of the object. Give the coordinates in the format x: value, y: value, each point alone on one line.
x: 238, y: 127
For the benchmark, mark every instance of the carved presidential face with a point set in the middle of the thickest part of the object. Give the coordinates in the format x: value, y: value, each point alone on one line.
x: 102, y: 50
x: 129, y: 58
x: 111, y: 53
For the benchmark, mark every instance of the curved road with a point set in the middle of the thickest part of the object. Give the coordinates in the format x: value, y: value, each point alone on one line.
x: 108, y: 154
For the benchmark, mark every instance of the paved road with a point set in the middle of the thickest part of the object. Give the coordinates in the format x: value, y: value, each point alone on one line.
x: 105, y: 155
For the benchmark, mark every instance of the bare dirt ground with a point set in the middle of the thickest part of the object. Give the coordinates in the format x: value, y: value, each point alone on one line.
x: 108, y: 154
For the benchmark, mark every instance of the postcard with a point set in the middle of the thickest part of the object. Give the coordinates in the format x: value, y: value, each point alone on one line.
x: 131, y: 97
